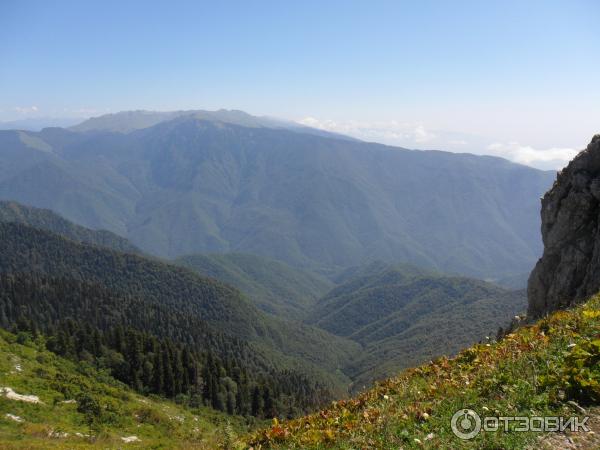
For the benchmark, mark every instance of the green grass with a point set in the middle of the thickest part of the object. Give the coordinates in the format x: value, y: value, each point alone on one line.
x: 29, y: 369
x: 534, y: 371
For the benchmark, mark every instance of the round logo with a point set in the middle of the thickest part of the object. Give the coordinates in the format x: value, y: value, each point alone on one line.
x: 466, y: 424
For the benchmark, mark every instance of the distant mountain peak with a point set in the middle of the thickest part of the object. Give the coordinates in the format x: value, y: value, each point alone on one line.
x: 200, y: 183
x: 128, y: 121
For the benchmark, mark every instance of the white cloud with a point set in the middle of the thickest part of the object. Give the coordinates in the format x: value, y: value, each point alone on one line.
x: 417, y: 135
x: 550, y: 158
x: 84, y: 112
x: 422, y: 135
x: 388, y: 132
x: 26, y: 110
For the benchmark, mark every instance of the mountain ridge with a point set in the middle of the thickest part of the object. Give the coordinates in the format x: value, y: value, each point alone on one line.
x: 404, y: 315
x: 46, y: 219
x: 128, y: 121
x: 195, y: 186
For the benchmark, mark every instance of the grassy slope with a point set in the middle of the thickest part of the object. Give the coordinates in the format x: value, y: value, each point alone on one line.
x: 533, y: 371
x: 272, y: 285
x: 30, y: 370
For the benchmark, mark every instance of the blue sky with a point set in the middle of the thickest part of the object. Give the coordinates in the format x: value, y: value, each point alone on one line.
x: 511, y: 78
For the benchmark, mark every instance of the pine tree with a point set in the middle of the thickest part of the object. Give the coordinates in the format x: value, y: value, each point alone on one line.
x: 256, y: 402
x: 268, y: 403
x: 168, y: 379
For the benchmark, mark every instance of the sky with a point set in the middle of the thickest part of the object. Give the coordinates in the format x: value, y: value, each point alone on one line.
x: 517, y: 79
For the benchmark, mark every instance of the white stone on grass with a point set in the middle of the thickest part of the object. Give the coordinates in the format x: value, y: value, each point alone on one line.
x: 12, y: 395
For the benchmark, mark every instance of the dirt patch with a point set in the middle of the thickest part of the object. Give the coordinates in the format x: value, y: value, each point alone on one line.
x: 570, y: 440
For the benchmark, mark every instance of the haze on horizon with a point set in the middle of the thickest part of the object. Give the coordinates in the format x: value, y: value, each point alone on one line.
x: 512, y: 79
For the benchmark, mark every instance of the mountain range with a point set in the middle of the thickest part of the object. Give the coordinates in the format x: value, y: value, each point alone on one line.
x: 403, y: 316
x: 191, y: 182
x: 250, y: 265
x: 170, y: 302
x: 365, y: 323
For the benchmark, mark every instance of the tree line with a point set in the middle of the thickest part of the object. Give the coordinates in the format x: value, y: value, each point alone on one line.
x: 88, y: 323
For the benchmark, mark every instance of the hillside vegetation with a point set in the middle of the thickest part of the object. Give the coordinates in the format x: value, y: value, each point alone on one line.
x: 272, y: 285
x: 403, y: 315
x: 383, y: 317
x: 80, y: 407
x: 173, y: 303
x: 400, y: 315
x: 535, y: 370
x: 178, y: 184
x: 153, y: 350
x: 48, y: 220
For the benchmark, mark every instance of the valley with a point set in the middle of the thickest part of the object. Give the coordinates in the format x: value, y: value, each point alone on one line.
x: 232, y: 338
x: 291, y: 290
x: 269, y: 327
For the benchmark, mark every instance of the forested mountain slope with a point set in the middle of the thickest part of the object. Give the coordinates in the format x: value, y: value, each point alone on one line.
x: 200, y: 184
x: 48, y: 220
x: 153, y: 349
x: 180, y: 301
x: 272, y: 285
x: 384, y: 317
x: 404, y: 315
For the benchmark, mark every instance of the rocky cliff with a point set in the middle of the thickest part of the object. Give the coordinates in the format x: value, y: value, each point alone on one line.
x: 569, y: 269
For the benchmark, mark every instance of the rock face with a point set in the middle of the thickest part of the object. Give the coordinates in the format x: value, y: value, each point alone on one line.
x: 569, y: 270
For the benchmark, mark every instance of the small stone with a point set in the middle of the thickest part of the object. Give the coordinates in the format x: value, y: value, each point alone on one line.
x: 13, y: 417
x: 577, y: 407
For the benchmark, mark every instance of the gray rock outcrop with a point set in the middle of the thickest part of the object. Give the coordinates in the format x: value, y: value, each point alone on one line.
x: 569, y: 270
